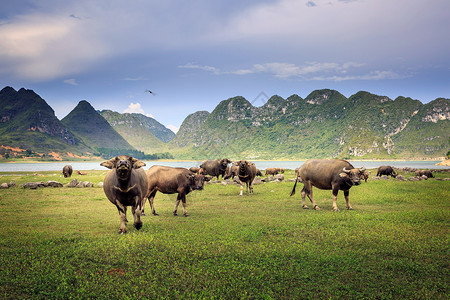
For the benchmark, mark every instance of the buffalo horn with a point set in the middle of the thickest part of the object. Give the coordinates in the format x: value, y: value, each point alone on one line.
x: 345, y: 170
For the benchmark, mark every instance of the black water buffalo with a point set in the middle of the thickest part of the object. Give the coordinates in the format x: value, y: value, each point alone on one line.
x: 215, y: 168
x: 246, y: 174
x: 427, y: 173
x: 67, y: 171
x: 324, y: 174
x: 386, y: 170
x: 168, y: 180
x: 126, y: 185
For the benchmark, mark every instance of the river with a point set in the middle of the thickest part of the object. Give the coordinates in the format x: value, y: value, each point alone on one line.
x: 57, y: 166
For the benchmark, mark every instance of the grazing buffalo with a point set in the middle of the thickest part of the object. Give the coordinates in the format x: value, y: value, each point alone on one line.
x: 424, y: 172
x: 246, y: 174
x: 324, y: 174
x: 386, y: 170
x: 258, y: 173
x: 272, y: 171
x: 215, y: 168
x: 232, y: 171
x: 67, y: 171
x: 126, y: 185
x: 168, y: 180
x: 365, y: 175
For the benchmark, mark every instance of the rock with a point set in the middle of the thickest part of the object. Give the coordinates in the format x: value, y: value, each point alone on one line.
x: 424, y: 177
x: 33, y: 185
x: 54, y: 183
x: 444, y: 163
x: 73, y: 183
x: 11, y: 184
x: 257, y: 180
x: 400, y: 178
x: 100, y: 184
x: 4, y: 186
x: 279, y: 177
x: 83, y: 184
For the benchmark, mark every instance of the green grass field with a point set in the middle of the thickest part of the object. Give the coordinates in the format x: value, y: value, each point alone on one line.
x: 63, y: 243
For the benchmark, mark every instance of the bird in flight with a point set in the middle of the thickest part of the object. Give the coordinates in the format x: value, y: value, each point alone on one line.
x: 150, y: 92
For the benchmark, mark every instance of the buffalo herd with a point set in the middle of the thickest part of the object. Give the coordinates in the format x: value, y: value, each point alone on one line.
x: 127, y: 184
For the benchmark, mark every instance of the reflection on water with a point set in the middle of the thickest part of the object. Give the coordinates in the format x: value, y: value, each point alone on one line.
x: 57, y: 166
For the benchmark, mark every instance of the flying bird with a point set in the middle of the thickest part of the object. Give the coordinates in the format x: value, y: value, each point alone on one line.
x: 150, y: 92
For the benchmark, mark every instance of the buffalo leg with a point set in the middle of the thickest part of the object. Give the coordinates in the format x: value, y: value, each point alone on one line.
x: 151, y: 198
x: 177, y: 202
x: 307, y: 191
x: 335, y: 193
x: 347, y: 199
x: 136, y: 210
x: 251, y: 188
x: 183, y: 202
x: 123, y: 218
x: 242, y: 188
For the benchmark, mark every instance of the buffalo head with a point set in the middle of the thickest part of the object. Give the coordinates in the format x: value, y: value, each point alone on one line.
x: 123, y: 165
x: 196, y: 181
x: 353, y: 175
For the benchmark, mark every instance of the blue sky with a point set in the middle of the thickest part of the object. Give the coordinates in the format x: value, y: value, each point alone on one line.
x: 194, y: 54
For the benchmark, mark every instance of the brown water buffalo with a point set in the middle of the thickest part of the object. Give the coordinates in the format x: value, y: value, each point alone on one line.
x: 196, y: 170
x: 246, y: 174
x: 232, y: 171
x: 427, y: 173
x: 365, y: 175
x: 386, y: 170
x: 67, y: 171
x: 215, y: 168
x: 81, y: 173
x: 324, y: 174
x: 168, y: 180
x: 272, y: 171
x: 126, y: 185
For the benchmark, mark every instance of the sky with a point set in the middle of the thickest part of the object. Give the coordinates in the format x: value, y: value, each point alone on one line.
x: 193, y: 54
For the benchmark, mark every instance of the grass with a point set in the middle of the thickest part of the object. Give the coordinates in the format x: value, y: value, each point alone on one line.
x: 62, y: 243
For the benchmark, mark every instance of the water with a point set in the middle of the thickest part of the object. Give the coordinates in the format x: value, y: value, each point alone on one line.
x: 58, y: 166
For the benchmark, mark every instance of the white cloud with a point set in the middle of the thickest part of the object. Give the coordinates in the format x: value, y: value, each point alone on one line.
x: 71, y: 81
x: 136, y: 108
x: 173, y: 128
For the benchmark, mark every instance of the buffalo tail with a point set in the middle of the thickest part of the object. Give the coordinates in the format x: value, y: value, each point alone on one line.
x: 293, y: 189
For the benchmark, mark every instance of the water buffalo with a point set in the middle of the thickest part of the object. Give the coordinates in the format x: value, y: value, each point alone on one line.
x: 196, y: 170
x: 272, y: 171
x: 324, y: 174
x: 216, y: 167
x: 168, y: 180
x: 365, y: 175
x: 81, y: 173
x: 246, y: 174
x: 67, y: 171
x: 386, y: 170
x: 232, y: 171
x: 424, y: 172
x: 126, y: 185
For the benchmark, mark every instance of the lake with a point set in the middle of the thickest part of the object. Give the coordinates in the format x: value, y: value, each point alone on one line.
x: 57, y: 166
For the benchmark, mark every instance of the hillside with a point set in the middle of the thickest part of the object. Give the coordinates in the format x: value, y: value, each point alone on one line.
x: 28, y: 122
x: 325, y: 124
x: 90, y: 127
x: 143, y: 133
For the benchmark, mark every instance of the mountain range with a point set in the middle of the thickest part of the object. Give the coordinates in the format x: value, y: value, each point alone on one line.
x: 325, y: 124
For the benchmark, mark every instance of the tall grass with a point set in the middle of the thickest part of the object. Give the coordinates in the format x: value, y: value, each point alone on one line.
x: 62, y: 243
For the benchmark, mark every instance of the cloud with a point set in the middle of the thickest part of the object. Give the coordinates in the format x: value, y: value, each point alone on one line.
x: 173, y: 128
x: 308, y: 71
x: 311, y: 4
x: 135, y: 108
x: 71, y: 81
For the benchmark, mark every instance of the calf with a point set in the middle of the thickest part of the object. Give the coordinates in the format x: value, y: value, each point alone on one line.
x: 386, y: 170
x: 168, y: 180
x: 126, y: 185
x: 427, y: 173
x: 272, y: 171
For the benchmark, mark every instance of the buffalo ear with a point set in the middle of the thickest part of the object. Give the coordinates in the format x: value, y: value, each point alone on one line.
x: 109, y: 163
x: 137, y: 163
x: 343, y: 175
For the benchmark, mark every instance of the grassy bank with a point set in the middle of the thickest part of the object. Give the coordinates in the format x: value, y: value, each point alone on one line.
x: 62, y: 243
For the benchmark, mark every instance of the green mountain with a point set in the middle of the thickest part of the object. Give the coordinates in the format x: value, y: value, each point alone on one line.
x: 142, y: 132
x: 90, y: 127
x: 28, y: 122
x: 325, y: 124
